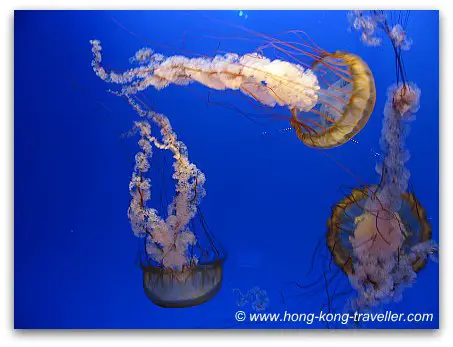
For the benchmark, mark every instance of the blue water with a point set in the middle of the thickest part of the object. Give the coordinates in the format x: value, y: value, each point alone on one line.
x: 268, y: 195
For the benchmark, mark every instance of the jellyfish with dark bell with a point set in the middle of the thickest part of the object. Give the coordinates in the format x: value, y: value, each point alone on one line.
x: 181, y: 260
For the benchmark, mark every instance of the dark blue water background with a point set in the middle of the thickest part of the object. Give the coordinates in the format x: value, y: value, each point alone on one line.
x: 268, y: 195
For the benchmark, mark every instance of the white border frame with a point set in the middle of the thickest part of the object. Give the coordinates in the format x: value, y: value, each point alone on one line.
x: 10, y: 337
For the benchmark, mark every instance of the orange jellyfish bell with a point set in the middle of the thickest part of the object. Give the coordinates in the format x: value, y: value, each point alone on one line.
x: 380, y: 250
x: 351, y: 213
x: 345, y: 101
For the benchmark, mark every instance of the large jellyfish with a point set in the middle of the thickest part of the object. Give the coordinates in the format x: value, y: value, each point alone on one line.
x: 330, y: 98
x: 380, y: 251
x: 380, y: 235
x: 179, y: 271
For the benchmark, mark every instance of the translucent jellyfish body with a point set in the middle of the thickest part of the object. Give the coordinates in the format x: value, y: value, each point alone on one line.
x: 345, y: 104
x: 194, y: 286
x: 370, y: 24
x: 380, y: 251
x: 256, y: 296
x: 367, y: 26
x: 403, y: 101
x: 181, y: 267
x: 329, y: 103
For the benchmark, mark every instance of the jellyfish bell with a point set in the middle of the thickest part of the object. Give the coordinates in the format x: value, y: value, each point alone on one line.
x: 191, y: 284
x: 345, y: 104
x: 380, y: 251
x: 351, y: 222
x: 187, y: 287
x: 378, y: 231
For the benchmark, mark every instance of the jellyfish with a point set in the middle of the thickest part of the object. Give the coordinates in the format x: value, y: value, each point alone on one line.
x: 367, y: 26
x: 256, y: 296
x: 330, y: 98
x: 178, y: 271
x: 380, y: 251
x: 344, y: 108
x: 391, y: 24
x: 379, y: 235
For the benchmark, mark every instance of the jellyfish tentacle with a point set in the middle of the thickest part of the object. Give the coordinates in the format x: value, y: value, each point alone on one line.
x: 168, y: 239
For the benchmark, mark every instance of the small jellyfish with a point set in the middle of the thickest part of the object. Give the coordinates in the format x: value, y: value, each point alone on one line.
x: 242, y: 300
x: 261, y: 301
x: 367, y: 25
x: 370, y: 24
x: 399, y: 37
x: 392, y: 24
x: 405, y: 99
x: 256, y: 297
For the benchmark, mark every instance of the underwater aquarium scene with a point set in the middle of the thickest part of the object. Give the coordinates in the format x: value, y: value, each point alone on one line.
x: 226, y: 169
